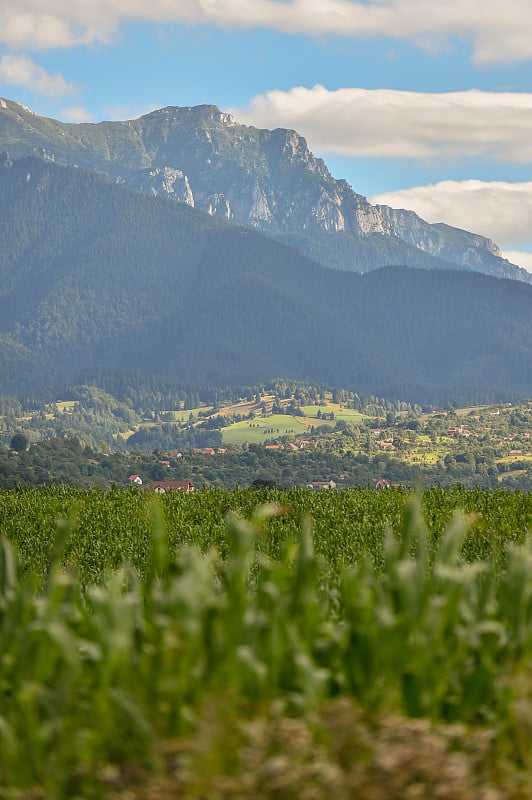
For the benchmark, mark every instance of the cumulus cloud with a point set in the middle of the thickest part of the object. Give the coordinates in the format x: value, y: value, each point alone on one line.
x: 401, y: 124
x: 496, y: 209
x: 498, y: 31
x: 19, y: 70
x: 45, y: 24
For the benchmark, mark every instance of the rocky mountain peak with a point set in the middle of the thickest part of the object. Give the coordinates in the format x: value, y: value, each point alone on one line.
x: 286, y: 146
x: 268, y: 179
x: 191, y: 113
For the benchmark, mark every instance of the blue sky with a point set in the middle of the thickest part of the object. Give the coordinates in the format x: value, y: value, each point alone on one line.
x: 423, y: 104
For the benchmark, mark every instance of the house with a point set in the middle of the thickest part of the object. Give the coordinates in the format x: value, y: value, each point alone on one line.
x: 382, y: 483
x: 456, y: 429
x: 318, y: 486
x: 135, y: 480
x: 162, y: 487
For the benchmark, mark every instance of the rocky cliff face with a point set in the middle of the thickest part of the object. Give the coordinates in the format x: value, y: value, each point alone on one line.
x: 470, y: 251
x: 166, y: 181
x: 265, y: 179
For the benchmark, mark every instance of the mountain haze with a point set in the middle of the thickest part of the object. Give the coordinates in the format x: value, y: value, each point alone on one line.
x: 93, y: 274
x: 267, y: 180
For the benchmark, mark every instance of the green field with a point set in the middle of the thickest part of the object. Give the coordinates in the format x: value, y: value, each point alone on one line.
x: 262, y: 429
x: 340, y: 412
x: 184, y: 416
x: 276, y: 426
x: 107, y: 527
x: 514, y: 459
x: 271, y: 644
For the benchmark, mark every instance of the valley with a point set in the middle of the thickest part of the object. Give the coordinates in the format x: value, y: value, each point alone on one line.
x: 309, y: 434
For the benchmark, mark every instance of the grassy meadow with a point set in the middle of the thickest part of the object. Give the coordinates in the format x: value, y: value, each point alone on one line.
x: 262, y: 429
x: 339, y: 411
x: 265, y: 644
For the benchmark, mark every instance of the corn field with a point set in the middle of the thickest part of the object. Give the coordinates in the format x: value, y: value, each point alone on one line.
x: 146, y: 639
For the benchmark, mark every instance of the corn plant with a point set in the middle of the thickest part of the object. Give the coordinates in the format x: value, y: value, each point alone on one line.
x: 95, y: 674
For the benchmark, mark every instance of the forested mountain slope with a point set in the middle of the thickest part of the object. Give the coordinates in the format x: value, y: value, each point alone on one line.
x: 93, y: 274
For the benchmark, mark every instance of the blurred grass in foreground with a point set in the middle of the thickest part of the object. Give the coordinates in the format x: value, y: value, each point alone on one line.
x: 237, y: 673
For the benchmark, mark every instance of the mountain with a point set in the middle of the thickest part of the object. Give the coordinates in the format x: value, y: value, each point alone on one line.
x: 267, y: 180
x: 95, y: 275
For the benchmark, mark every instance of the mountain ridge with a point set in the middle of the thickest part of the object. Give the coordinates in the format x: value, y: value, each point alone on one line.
x: 268, y: 180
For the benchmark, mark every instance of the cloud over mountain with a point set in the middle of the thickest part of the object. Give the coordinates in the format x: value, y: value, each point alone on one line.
x: 495, y: 208
x: 390, y: 123
x: 22, y: 71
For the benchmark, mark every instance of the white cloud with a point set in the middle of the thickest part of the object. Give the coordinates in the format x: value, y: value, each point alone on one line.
x: 390, y: 123
x: 19, y: 70
x: 501, y: 211
x: 499, y: 31
x: 25, y: 24
x: 75, y: 114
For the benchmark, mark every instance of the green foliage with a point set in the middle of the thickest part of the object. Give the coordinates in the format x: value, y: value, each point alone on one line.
x: 19, y: 442
x: 367, y: 439
x: 109, y: 526
x: 241, y: 620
